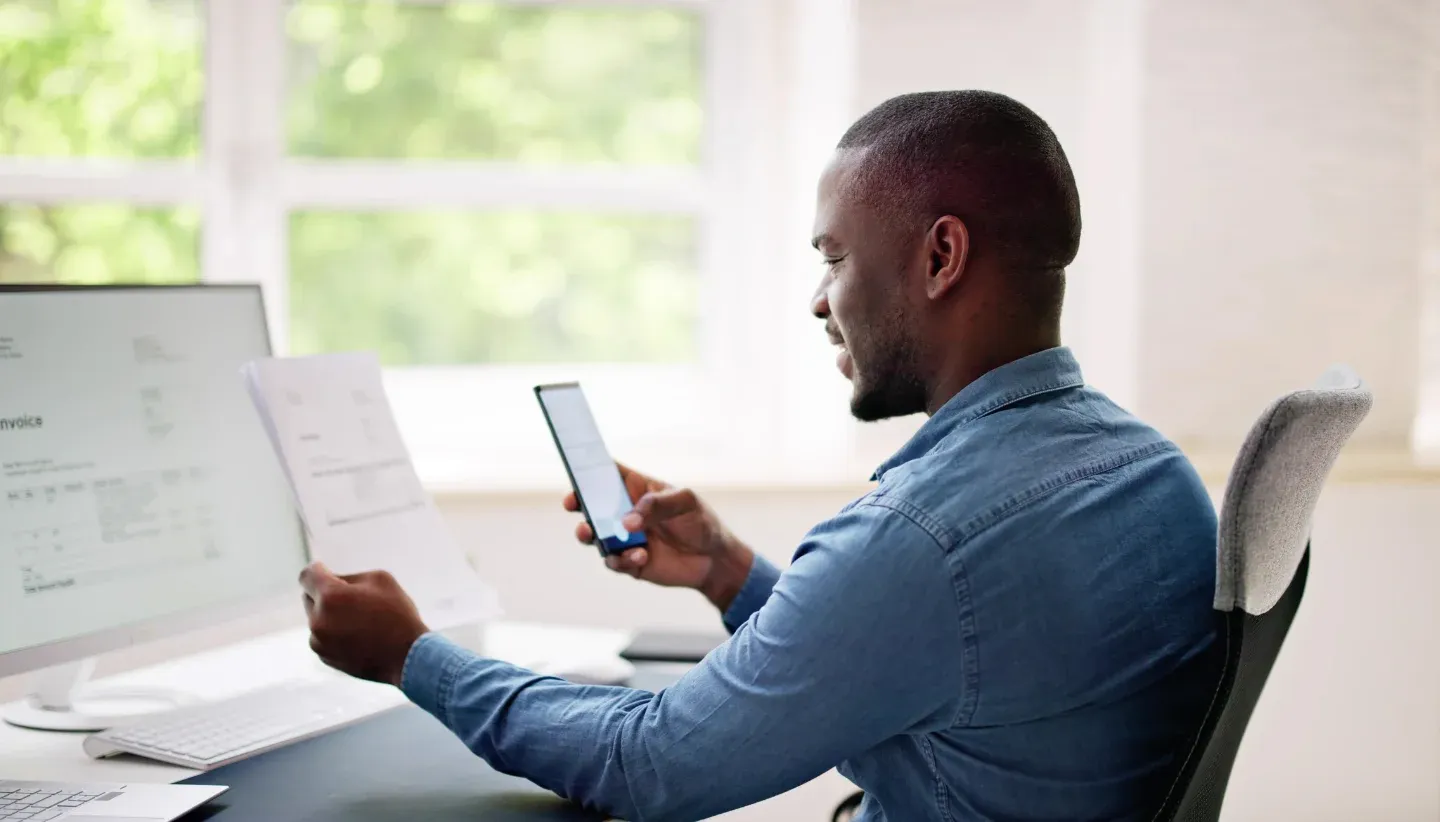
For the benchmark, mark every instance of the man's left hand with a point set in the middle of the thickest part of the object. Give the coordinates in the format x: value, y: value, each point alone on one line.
x: 361, y: 624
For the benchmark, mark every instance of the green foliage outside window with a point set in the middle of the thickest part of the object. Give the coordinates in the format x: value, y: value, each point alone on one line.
x: 457, y: 287
x: 474, y: 80
x: 550, y: 86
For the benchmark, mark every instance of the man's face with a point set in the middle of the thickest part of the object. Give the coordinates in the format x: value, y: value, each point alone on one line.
x: 864, y: 296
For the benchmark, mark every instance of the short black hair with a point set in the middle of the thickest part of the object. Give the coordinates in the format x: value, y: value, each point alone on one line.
x: 980, y: 156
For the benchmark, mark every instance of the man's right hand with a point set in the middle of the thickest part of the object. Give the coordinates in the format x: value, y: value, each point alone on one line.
x: 687, y: 545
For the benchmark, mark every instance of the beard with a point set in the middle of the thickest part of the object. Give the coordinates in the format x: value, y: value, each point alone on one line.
x: 887, y: 383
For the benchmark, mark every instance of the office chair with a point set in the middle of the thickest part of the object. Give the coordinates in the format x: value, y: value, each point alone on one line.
x: 1262, y: 561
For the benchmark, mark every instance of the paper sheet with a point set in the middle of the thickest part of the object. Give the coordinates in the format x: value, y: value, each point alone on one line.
x: 358, y: 493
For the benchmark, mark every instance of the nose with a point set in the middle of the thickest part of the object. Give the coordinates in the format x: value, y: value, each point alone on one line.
x: 820, y: 302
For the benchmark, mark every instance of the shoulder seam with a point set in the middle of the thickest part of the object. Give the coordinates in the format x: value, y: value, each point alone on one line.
x: 960, y: 586
x: 937, y: 530
x: 999, y: 513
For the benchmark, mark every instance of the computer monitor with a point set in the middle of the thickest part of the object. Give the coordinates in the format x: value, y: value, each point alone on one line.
x: 139, y: 495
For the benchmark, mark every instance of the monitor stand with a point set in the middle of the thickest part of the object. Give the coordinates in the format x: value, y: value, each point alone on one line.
x: 60, y: 701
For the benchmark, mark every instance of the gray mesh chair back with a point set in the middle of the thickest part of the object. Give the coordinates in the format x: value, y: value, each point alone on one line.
x: 1262, y: 561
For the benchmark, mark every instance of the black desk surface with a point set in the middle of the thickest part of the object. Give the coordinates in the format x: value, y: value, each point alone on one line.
x: 400, y: 766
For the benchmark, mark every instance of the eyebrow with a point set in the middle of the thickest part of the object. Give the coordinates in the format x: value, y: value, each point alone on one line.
x: 819, y: 240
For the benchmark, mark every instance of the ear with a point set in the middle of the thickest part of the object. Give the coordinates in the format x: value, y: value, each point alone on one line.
x: 947, y: 249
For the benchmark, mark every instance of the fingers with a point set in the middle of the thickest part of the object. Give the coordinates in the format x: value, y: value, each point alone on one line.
x: 323, y: 585
x: 626, y: 472
x: 658, y: 506
x: 316, y: 579
x: 382, y: 578
x: 584, y: 534
x: 318, y: 648
x: 631, y: 562
x: 638, y: 484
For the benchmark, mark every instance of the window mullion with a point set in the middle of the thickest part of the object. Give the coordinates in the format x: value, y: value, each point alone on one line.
x: 737, y: 240
x: 245, y: 220
x: 140, y: 182
x: 605, y: 3
x: 421, y: 185
x: 820, y: 96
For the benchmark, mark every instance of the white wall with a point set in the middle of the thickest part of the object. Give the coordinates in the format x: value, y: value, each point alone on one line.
x: 1282, y: 196
x: 1030, y: 49
x: 1349, y: 726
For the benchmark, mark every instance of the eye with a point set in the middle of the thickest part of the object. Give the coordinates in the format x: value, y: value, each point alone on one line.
x: 831, y: 262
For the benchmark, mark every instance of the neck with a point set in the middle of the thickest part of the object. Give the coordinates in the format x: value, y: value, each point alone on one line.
x: 965, y: 366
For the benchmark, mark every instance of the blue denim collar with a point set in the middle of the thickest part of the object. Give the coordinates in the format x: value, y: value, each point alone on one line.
x: 1050, y: 370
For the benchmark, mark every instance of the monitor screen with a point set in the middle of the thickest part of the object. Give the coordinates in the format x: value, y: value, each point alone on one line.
x: 136, y: 482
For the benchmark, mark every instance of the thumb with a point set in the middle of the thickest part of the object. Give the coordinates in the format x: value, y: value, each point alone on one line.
x: 317, y: 579
x: 657, y: 506
x: 381, y: 579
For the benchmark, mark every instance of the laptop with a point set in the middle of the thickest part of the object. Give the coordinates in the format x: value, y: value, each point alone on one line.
x: 100, y: 801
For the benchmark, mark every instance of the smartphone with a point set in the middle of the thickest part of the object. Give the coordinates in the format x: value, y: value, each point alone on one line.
x: 593, y: 473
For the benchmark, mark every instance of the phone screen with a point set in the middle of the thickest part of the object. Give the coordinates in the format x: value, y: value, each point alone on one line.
x: 593, y: 473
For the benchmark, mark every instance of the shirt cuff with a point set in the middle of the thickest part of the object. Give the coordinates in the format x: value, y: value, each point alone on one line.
x: 431, y: 668
x: 753, y: 594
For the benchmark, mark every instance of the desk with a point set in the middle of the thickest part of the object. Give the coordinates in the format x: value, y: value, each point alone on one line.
x: 275, y: 658
x: 256, y: 663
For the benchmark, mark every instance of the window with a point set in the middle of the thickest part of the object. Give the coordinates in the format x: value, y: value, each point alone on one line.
x: 488, y: 193
x: 529, y: 86
x: 454, y: 287
x: 101, y: 78
x: 533, y: 84
x: 99, y: 81
x: 98, y: 243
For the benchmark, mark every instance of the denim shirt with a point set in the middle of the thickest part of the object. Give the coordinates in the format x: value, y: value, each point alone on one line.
x: 1015, y: 623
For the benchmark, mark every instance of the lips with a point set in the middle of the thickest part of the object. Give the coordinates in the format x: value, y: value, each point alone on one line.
x: 843, y: 361
x: 842, y: 357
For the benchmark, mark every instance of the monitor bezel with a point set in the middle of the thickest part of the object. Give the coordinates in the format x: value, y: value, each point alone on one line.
x: 108, y: 640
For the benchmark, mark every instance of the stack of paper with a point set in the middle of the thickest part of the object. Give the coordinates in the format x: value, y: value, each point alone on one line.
x: 359, y: 495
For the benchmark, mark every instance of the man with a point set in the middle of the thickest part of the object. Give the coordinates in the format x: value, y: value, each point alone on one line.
x: 1014, y: 624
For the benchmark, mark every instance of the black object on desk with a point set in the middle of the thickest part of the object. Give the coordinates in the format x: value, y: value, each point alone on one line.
x: 400, y: 766
x: 672, y: 646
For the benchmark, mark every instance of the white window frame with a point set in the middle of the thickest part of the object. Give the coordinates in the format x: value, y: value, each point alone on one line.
x: 477, y: 426
x: 1425, y: 437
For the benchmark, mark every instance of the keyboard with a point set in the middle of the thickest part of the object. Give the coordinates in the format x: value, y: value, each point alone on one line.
x: 100, y: 801
x: 39, y: 802
x: 217, y: 733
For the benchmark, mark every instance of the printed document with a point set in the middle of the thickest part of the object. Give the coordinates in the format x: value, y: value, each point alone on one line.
x: 358, y: 493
